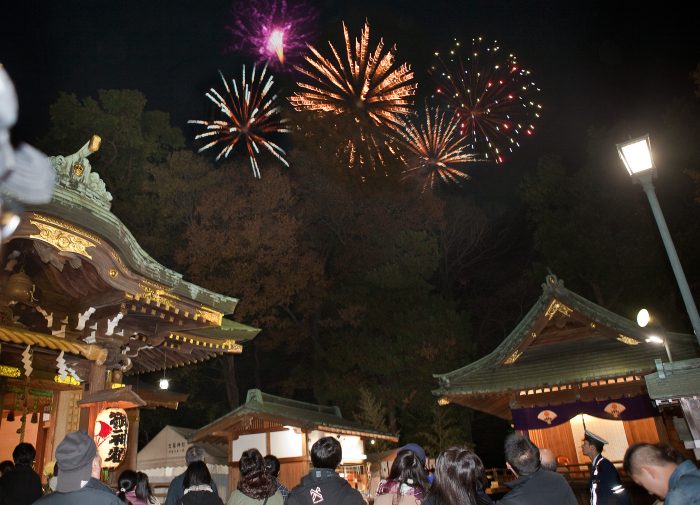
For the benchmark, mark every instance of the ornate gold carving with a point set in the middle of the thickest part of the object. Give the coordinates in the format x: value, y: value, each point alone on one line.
x: 231, y: 346
x: 78, y: 169
x: 513, y: 358
x: 593, y: 325
x: 9, y: 371
x: 69, y: 380
x: 627, y: 340
x: 63, y: 236
x: 113, y: 273
x: 209, y: 315
x: 443, y: 400
x: 154, y: 293
x: 557, y: 306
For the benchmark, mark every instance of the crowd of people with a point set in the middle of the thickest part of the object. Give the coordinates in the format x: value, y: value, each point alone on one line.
x: 458, y: 478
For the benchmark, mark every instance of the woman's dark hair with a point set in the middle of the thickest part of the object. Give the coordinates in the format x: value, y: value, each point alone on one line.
x: 24, y: 454
x: 6, y: 466
x: 143, y: 487
x: 126, y: 483
x: 326, y: 453
x: 255, y: 481
x: 197, y: 474
x: 272, y: 465
x: 407, y: 467
x: 458, y: 476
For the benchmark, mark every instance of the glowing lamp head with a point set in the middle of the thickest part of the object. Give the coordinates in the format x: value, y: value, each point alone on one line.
x: 275, y: 44
x: 654, y: 339
x: 636, y: 155
x: 164, y: 383
x: 643, y: 318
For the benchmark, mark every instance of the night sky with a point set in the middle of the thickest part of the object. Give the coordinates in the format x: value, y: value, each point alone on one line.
x: 595, y: 62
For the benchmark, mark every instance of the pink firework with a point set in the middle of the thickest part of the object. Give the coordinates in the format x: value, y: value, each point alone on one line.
x: 273, y: 31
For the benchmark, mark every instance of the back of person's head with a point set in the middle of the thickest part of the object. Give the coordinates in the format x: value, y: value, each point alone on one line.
x: 408, y: 469
x: 255, y: 482
x: 194, y: 453
x: 639, y: 455
x: 522, y: 455
x: 272, y: 465
x: 548, y: 460
x: 197, y: 474
x: 143, y: 487
x: 6, y: 466
x: 326, y: 453
x: 125, y: 483
x: 459, y: 474
x: 251, y: 461
x: 24, y: 454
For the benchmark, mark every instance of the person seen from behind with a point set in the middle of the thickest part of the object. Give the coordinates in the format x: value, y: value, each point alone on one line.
x: 459, y: 476
x: 407, y: 483
x: 322, y: 483
x: 134, y: 489
x: 533, y: 485
x: 272, y: 466
x: 664, y: 473
x: 256, y: 486
x: 22, y: 485
x: 197, y: 486
x: 194, y: 453
x: 75, y: 457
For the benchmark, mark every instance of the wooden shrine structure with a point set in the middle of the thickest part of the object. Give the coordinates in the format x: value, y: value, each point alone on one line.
x: 567, y: 361
x: 288, y: 428
x: 82, y: 305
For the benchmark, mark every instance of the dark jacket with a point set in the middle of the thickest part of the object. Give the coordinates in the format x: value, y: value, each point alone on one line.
x: 540, y: 488
x: 201, y: 498
x: 608, y: 487
x: 21, y: 486
x: 84, y: 496
x: 177, y: 488
x: 323, y: 485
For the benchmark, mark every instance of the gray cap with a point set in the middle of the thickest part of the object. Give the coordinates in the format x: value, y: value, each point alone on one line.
x: 74, y: 457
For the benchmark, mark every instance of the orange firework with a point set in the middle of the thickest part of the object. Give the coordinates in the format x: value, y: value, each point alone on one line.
x: 366, y: 86
x: 435, y: 149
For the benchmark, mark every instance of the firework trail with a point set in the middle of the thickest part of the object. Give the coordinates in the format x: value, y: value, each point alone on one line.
x: 275, y: 32
x: 491, y: 94
x: 365, y: 86
x: 435, y: 149
x: 251, y: 115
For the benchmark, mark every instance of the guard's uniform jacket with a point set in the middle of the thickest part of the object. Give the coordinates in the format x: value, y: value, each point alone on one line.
x: 605, y: 485
x: 323, y: 486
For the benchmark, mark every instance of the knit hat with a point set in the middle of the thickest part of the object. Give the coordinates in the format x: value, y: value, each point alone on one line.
x: 74, y: 457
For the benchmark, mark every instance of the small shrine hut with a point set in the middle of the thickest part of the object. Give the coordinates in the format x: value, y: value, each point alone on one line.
x: 570, y: 361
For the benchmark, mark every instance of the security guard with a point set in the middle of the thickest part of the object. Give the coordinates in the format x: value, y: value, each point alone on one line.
x: 605, y: 485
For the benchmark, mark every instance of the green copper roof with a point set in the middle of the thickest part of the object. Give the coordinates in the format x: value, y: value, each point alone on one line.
x: 674, y: 380
x: 598, y: 355
x: 296, y: 413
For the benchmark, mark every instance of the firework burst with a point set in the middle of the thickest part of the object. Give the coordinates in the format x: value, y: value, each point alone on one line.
x: 273, y: 31
x: 251, y: 115
x: 365, y: 86
x: 435, y: 149
x: 492, y: 96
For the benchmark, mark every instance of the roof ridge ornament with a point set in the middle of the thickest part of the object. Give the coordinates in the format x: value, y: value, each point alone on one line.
x: 75, y: 173
x: 552, y: 284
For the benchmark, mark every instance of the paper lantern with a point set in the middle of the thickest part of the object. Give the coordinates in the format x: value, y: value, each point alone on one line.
x: 111, y: 434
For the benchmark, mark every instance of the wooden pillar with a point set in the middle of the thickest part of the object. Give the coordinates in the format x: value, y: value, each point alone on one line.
x: 96, y: 382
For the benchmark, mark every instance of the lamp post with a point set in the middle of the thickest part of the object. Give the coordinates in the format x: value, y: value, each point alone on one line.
x: 636, y: 155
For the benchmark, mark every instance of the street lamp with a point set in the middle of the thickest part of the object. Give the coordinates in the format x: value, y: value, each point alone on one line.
x: 636, y: 155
